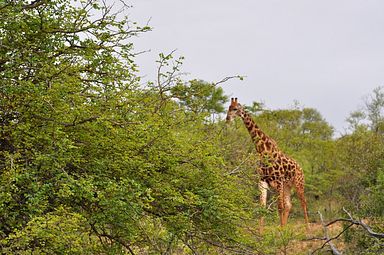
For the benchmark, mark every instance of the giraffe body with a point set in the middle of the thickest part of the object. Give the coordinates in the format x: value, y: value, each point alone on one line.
x: 276, y: 170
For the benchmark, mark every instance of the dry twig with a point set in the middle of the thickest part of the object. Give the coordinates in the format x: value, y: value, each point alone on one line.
x: 352, y: 221
x: 326, y: 237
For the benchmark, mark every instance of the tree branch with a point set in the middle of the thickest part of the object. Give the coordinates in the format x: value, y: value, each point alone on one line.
x: 112, y: 238
x: 227, y: 79
x: 326, y: 237
x: 359, y: 223
x: 234, y: 249
x: 238, y: 167
x: 68, y: 124
x: 352, y: 222
x: 34, y: 4
x: 74, y: 123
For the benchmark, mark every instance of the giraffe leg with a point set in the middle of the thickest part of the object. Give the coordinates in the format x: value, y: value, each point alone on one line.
x: 281, y: 205
x: 287, y: 202
x: 299, y: 185
x: 263, y: 187
x: 284, y: 202
x: 303, y: 202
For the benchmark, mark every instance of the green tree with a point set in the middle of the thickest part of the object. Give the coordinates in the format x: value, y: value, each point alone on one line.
x: 360, y: 180
x: 371, y: 115
x: 200, y: 96
x: 87, y: 152
x: 375, y: 110
x: 362, y: 151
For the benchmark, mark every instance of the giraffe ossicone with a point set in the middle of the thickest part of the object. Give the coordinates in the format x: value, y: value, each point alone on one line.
x: 276, y: 169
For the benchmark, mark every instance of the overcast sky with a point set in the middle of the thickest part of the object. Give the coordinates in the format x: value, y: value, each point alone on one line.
x: 326, y: 54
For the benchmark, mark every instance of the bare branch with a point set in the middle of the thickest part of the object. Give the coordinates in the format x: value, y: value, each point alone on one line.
x: 351, y: 222
x: 326, y: 237
x: 74, y: 123
x: 359, y: 223
x: 165, y: 79
x: 112, y: 238
x: 228, y: 78
x: 238, y: 167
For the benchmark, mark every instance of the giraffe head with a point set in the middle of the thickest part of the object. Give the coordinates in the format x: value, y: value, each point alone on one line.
x: 235, y: 109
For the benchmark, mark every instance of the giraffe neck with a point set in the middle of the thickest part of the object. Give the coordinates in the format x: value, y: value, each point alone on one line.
x: 262, y: 142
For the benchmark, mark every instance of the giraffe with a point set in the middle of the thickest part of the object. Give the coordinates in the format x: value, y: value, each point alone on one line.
x: 276, y: 169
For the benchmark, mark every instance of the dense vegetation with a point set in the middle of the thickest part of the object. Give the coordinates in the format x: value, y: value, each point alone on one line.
x: 94, y: 162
